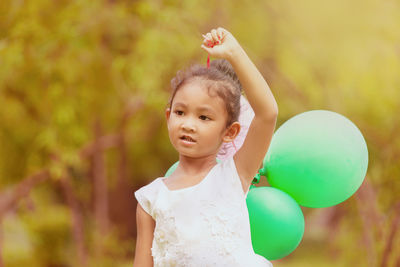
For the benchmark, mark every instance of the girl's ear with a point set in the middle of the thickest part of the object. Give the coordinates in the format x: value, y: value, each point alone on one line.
x: 231, y: 132
x: 167, y: 113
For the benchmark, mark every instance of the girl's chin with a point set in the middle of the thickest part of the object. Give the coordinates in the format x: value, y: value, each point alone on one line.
x: 193, y: 152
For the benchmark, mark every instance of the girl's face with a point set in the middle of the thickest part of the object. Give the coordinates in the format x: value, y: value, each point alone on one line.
x: 197, y: 121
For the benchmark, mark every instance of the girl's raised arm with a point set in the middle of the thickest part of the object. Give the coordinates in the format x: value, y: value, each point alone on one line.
x: 250, y: 156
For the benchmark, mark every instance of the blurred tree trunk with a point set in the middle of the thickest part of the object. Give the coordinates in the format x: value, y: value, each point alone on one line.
x: 121, y: 197
x: 391, y: 237
x: 371, y: 219
x: 9, y: 199
x: 77, y: 220
x: 98, y: 173
x: 334, y: 216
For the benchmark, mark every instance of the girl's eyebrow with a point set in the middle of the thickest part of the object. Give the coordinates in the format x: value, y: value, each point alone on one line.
x: 205, y: 109
x: 179, y: 104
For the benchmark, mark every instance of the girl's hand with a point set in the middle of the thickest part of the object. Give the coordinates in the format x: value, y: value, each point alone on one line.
x: 220, y: 43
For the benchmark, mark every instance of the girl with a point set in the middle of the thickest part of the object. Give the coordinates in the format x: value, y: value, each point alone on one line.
x: 198, y: 215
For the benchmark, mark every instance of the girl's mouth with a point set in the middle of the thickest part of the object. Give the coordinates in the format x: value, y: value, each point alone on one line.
x: 187, y: 138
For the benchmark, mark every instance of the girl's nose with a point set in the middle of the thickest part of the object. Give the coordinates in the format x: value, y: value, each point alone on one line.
x: 188, y: 126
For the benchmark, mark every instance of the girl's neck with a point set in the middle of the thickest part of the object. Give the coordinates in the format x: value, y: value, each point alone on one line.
x: 192, y: 166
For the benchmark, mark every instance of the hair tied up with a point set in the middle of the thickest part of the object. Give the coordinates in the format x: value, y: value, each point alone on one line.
x: 226, y: 68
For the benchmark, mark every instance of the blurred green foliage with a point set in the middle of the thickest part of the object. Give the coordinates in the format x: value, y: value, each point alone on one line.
x: 65, y: 65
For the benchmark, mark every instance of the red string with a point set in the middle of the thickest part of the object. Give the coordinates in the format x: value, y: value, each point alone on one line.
x: 210, y: 44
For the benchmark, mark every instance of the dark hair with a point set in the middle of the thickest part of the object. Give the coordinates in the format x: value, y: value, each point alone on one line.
x: 219, y: 77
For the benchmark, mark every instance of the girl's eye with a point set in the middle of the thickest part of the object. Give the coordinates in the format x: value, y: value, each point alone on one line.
x: 204, y: 118
x: 179, y: 112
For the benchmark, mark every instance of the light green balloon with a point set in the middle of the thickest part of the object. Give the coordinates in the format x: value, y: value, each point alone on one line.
x: 319, y: 157
x: 276, y: 222
x: 172, y: 169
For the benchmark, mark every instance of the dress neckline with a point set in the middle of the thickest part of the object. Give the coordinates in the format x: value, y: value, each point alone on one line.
x: 189, y: 187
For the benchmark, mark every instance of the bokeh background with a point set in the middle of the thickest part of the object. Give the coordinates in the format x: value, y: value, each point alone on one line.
x: 84, y: 86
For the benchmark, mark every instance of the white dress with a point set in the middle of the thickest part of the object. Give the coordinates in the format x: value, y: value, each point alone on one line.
x: 203, y: 225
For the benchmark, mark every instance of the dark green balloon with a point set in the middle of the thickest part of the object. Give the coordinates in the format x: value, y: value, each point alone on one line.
x: 319, y: 158
x: 276, y: 222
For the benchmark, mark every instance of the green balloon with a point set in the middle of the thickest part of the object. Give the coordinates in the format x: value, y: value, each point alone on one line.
x: 319, y: 158
x: 172, y: 169
x: 276, y: 222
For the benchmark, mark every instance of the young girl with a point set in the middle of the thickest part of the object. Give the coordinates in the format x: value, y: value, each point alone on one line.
x: 198, y: 215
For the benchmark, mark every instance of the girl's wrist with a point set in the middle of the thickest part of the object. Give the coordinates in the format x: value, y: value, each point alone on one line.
x: 236, y: 54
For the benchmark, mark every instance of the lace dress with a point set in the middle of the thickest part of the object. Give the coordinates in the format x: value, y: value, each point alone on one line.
x: 203, y: 225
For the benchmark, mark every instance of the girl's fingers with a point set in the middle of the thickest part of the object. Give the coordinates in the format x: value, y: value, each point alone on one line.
x: 207, y: 37
x: 208, y: 40
x: 215, y: 36
x: 208, y: 43
x: 221, y: 33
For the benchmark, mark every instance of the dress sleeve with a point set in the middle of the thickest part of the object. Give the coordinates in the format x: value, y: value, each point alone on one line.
x: 146, y: 197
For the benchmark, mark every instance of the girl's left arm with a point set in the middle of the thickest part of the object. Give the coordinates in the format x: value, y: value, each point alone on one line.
x: 250, y: 156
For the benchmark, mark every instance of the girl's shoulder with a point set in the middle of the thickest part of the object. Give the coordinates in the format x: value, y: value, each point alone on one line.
x: 147, y: 194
